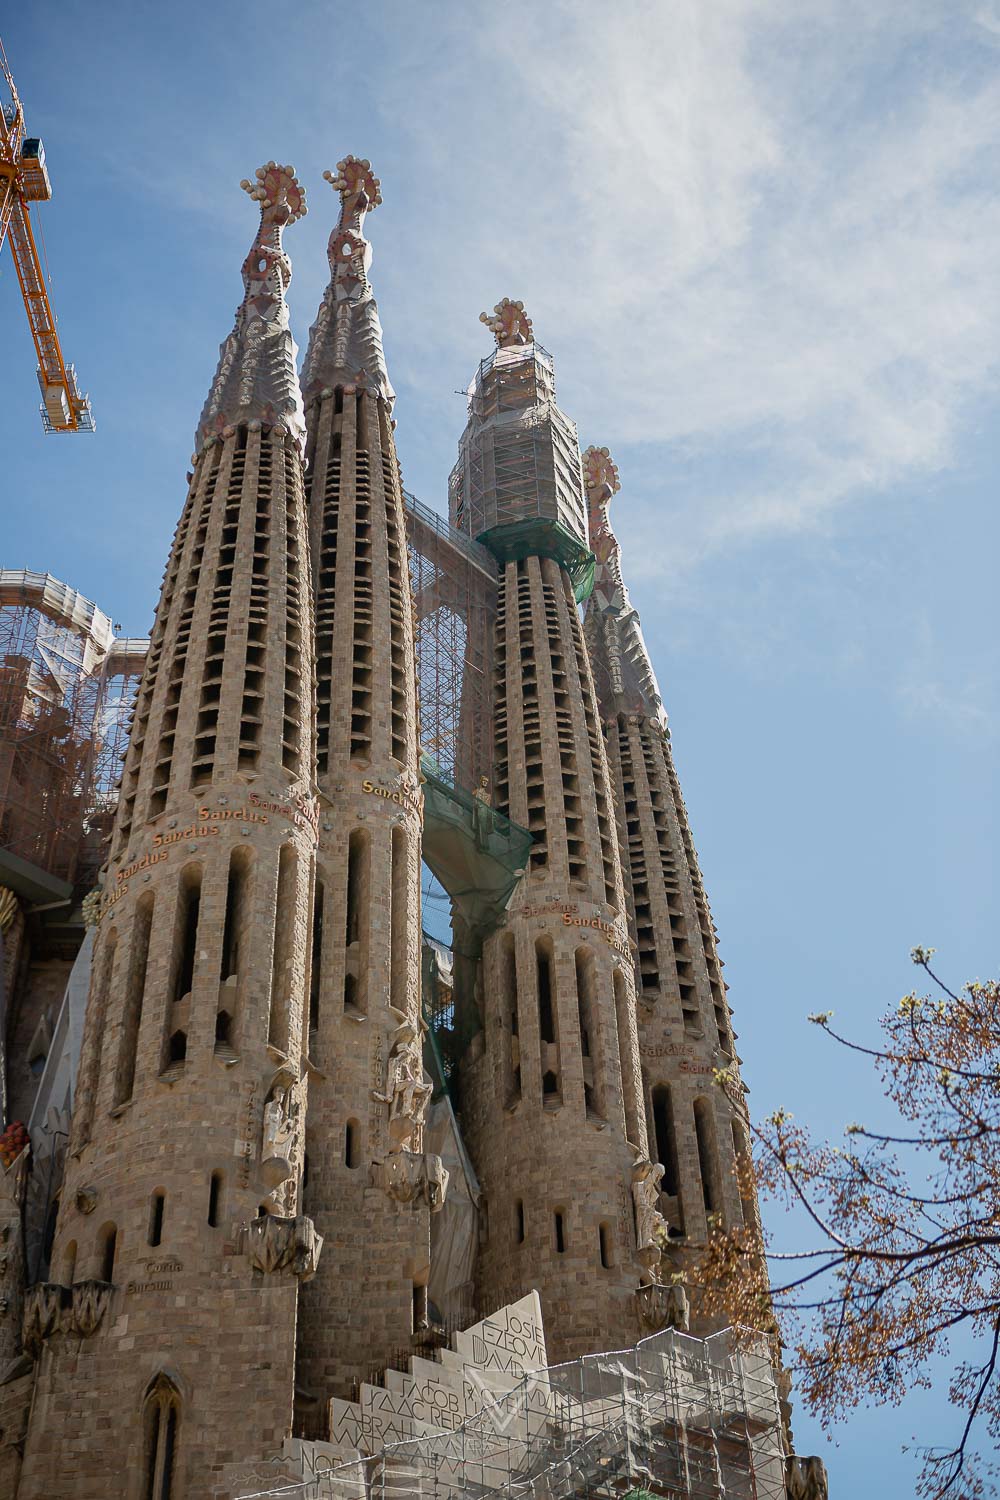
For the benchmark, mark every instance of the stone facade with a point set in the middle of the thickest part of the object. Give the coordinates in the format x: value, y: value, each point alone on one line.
x: 367, y: 1188
x: 697, y: 1130
x: 550, y: 1084
x: 189, y: 1113
x: 243, y: 1245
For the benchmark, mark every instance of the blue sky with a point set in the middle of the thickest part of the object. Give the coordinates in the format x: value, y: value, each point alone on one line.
x: 760, y: 238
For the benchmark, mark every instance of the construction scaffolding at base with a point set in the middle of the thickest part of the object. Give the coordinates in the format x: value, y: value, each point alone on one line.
x: 67, y: 688
x: 675, y: 1416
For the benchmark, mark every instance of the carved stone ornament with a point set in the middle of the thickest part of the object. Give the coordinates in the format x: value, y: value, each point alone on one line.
x: 662, y: 1306
x: 256, y: 377
x: 509, y: 323
x: 277, y: 1244
x: 408, y: 1176
x: 91, y: 1300
x: 650, y: 1225
x: 805, y: 1478
x: 282, y: 1123
x: 407, y: 1090
x: 86, y: 1200
x: 43, y: 1308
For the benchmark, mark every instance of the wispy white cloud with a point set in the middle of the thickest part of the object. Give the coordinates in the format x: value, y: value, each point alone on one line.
x: 751, y: 230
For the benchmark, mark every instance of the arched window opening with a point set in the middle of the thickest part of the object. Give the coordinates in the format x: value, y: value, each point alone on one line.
x: 741, y: 1151
x: 176, y: 1048
x: 666, y: 1140
x: 108, y: 1243
x: 135, y: 991
x: 509, y: 969
x: 215, y: 1185
x: 316, y: 967
x: 223, y: 1029
x: 350, y: 992
x: 519, y: 1221
x: 559, y: 1222
x: 161, y: 1424
x: 351, y: 1144
x: 704, y: 1126
x: 357, y: 851
x: 154, y: 1233
x: 420, y: 1309
x: 604, y: 1234
x: 69, y: 1263
x: 90, y: 1066
x: 281, y: 965
x: 546, y: 1011
x: 587, y: 1010
x: 398, y: 920
x: 233, y: 933
x: 628, y: 1055
x: 547, y: 1026
x: 189, y: 906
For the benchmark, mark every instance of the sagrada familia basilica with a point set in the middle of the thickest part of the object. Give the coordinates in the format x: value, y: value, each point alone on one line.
x: 295, y: 1199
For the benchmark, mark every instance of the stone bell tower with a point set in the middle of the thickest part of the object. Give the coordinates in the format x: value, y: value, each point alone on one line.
x: 550, y: 1089
x: 180, y: 1242
x: 369, y: 1187
x: 697, y: 1131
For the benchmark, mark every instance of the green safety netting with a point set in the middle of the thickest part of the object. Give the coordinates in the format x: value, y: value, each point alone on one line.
x: 476, y: 853
x: 540, y: 536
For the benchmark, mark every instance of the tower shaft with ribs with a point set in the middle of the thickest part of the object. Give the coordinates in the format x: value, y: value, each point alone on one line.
x: 368, y: 1184
x: 180, y: 1241
x: 550, y: 1084
x: 697, y: 1131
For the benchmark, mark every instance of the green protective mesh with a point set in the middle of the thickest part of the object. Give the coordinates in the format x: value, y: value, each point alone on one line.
x: 539, y: 536
x: 476, y: 853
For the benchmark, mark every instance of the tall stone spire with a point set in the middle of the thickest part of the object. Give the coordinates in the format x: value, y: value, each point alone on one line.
x: 550, y: 1092
x: 623, y: 670
x: 697, y: 1131
x: 177, y: 1256
x: 370, y: 1188
x: 256, y: 379
x: 345, y: 342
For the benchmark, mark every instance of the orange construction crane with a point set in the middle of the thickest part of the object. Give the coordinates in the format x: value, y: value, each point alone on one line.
x: 24, y: 180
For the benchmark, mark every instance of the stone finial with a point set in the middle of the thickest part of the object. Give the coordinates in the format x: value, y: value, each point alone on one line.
x: 256, y: 377
x: 281, y: 196
x: 355, y: 179
x: 600, y: 474
x: 509, y: 324
x: 805, y: 1478
x: 345, y: 342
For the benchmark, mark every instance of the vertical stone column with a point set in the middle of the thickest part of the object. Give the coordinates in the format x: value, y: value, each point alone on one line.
x: 180, y: 1240
x: 369, y: 1187
x: 697, y: 1131
x: 550, y: 1087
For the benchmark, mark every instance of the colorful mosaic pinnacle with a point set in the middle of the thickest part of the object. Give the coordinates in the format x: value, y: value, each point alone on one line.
x: 355, y: 179
x: 509, y: 323
x: 281, y: 197
x: 600, y: 472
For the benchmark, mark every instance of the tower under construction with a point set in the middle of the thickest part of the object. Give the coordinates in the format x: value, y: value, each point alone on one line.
x: 297, y: 1198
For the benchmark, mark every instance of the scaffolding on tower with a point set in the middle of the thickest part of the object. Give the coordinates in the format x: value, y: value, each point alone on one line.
x: 455, y: 600
x: 67, y: 690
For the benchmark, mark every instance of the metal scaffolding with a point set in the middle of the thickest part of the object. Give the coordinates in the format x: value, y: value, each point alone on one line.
x: 67, y: 689
x: 685, y: 1418
x: 455, y: 600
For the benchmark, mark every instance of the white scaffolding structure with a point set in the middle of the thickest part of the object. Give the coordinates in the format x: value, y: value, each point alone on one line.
x: 675, y: 1416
